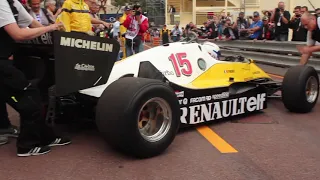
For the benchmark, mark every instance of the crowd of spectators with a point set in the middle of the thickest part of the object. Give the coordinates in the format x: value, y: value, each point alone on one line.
x: 47, y: 12
x: 272, y: 24
x: 268, y: 25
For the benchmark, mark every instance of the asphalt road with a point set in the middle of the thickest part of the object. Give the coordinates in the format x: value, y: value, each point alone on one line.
x: 274, y: 144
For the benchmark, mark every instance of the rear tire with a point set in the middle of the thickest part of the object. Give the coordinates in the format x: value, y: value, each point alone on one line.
x: 119, y: 116
x: 297, y: 82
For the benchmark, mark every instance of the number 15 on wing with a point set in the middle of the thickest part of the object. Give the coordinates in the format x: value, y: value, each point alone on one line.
x: 180, y: 64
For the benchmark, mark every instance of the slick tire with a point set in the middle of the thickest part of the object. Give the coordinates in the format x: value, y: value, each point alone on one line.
x: 119, y: 113
x: 296, y: 86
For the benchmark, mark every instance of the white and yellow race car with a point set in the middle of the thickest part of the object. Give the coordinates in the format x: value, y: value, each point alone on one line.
x: 139, y: 103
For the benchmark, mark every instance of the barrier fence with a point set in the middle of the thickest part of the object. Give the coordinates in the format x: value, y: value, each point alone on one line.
x: 282, y: 54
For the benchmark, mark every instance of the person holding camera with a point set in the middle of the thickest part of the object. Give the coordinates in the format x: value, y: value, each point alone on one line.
x: 176, y: 33
x: 281, y: 19
x: 241, y: 25
x: 228, y: 32
x: 136, y: 24
x: 299, y: 32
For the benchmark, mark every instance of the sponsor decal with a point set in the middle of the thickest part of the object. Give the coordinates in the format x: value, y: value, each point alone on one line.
x: 167, y: 73
x: 248, y: 79
x: 222, y: 109
x: 85, y: 44
x: 228, y: 71
x: 220, y: 96
x: 209, y: 98
x: 183, y: 101
x: 200, y: 99
x: 45, y: 38
x: 180, y: 94
x: 84, y: 67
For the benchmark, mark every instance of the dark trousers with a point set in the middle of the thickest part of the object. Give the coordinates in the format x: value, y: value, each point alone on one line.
x: 4, y: 120
x: 281, y: 37
x: 26, y: 100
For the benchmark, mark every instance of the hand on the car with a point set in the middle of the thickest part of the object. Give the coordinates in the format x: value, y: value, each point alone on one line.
x: 91, y: 33
x: 56, y: 26
x: 106, y: 24
x: 101, y: 26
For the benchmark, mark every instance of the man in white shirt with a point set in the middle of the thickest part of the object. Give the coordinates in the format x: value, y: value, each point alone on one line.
x: 176, y: 33
x: 35, y: 137
x: 312, y: 24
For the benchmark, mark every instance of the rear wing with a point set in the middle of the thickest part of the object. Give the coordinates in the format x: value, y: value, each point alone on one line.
x: 72, y: 61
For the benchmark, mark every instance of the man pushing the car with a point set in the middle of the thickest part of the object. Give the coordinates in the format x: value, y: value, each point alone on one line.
x: 312, y: 23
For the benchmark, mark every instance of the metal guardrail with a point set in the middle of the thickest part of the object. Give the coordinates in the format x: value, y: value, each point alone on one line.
x: 282, y: 54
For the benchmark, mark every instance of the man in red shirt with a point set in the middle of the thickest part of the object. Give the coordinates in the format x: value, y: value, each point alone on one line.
x: 136, y: 24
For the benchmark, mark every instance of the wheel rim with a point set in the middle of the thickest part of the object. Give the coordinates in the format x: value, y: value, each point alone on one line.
x: 154, y: 120
x: 312, y: 89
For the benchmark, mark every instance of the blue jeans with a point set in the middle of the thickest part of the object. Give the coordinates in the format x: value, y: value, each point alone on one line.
x: 175, y: 38
x: 120, y: 56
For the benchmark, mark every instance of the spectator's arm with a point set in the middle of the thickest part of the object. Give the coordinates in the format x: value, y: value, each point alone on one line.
x: 21, y: 34
x: 35, y: 24
x: 292, y: 24
x: 258, y: 27
x: 234, y: 25
x: 98, y: 21
x: 273, y: 14
x: 57, y: 13
x: 144, y: 25
x: 286, y: 17
x: 126, y: 23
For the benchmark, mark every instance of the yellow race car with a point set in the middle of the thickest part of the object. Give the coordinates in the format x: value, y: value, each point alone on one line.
x: 139, y: 103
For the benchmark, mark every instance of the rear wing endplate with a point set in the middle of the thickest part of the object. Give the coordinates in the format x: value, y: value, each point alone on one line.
x: 80, y: 61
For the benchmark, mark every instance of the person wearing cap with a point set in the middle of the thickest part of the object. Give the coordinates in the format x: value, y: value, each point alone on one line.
x: 241, y: 25
x: 255, y: 29
x: 267, y: 29
x: 127, y: 11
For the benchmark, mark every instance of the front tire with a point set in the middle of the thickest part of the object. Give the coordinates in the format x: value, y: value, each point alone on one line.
x: 300, y: 89
x: 138, y: 116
